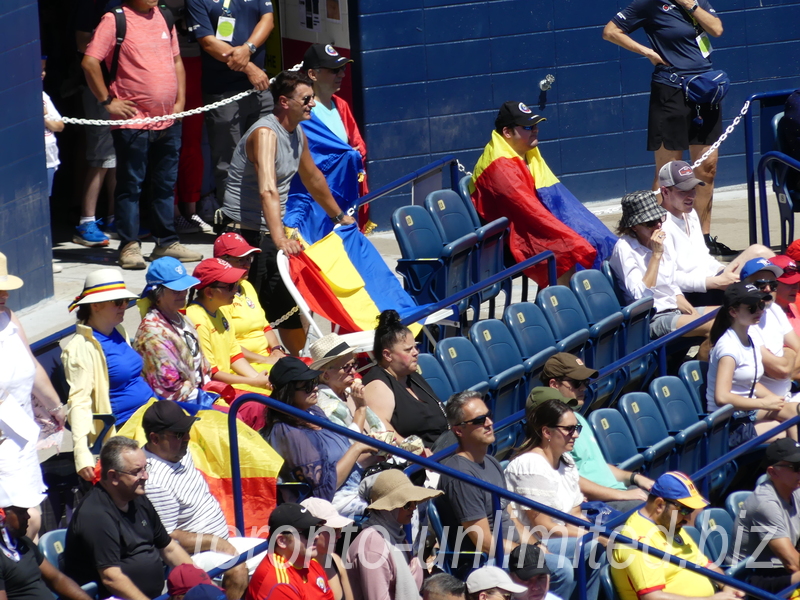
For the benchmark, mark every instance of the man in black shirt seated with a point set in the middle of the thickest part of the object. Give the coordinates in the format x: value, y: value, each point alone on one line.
x: 24, y: 573
x: 115, y: 536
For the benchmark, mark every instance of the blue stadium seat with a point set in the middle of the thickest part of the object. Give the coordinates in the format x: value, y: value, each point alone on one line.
x: 432, y: 371
x: 615, y: 439
x: 463, y: 190
x: 788, y: 199
x: 431, y: 269
x: 565, y: 316
x: 533, y: 335
x: 648, y: 429
x: 682, y: 421
x: 607, y: 583
x: 694, y: 374
x: 718, y: 445
x: 692, y: 532
x: 612, y: 278
x: 735, y: 501
x: 51, y: 545
x: 716, y: 534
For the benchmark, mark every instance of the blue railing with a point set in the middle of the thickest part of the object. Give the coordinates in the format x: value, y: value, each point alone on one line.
x: 414, y: 176
x: 770, y: 157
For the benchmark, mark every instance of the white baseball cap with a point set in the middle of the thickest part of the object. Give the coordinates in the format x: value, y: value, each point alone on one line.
x: 487, y: 578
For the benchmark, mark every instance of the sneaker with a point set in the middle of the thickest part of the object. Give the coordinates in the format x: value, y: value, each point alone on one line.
x: 176, y: 250
x: 130, y: 257
x: 184, y: 226
x: 56, y: 267
x: 717, y: 248
x: 204, y: 227
x: 89, y: 234
x: 111, y: 230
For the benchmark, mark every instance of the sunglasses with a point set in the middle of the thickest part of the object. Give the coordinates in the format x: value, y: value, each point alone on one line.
x: 683, y: 511
x: 119, y: 302
x: 337, y: 70
x: 307, y: 386
x: 653, y: 223
x: 477, y: 420
x: 577, y: 383
x: 351, y: 366
x: 570, y: 430
x: 794, y: 467
x: 528, y: 127
x: 229, y: 287
x: 410, y: 505
x: 761, y: 305
x: 178, y: 435
x: 305, y: 101
x: 138, y: 473
x: 763, y: 284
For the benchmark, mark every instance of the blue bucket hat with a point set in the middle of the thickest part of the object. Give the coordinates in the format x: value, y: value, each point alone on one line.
x: 170, y: 273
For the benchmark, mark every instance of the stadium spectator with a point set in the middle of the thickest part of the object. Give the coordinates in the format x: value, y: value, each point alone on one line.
x: 512, y: 180
x: 205, y: 591
x: 339, y: 394
x: 790, y: 137
x: 21, y: 378
x: 491, y: 581
x: 232, y: 54
x: 115, y: 536
x: 183, y: 501
x: 217, y: 288
x: 543, y: 470
x: 377, y: 563
x: 569, y: 378
x: 149, y: 83
x: 395, y: 391
x: 52, y: 125
x: 788, y: 284
x: 259, y: 343
x: 103, y: 372
x: 644, y: 267
x: 696, y: 271
x: 468, y: 511
x: 183, y: 578
x: 735, y: 367
x: 288, y: 571
x: 326, y: 542
x: 266, y: 159
x: 442, y: 586
x: 527, y: 567
x: 325, y: 460
x: 777, y: 340
x: 658, y: 523
x: 679, y: 48
x: 770, y: 515
x: 174, y: 366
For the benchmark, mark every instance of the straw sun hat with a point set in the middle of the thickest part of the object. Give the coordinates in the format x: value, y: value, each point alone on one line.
x: 7, y: 282
x: 327, y: 349
x: 393, y: 489
x: 102, y: 285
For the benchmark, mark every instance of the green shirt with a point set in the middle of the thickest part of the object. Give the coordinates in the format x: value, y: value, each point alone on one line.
x: 590, y: 460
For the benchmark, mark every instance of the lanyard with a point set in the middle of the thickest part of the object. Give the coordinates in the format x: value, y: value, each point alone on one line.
x: 226, y: 7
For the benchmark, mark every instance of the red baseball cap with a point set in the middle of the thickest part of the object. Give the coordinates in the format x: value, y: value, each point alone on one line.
x: 212, y: 270
x: 232, y: 244
x: 184, y: 577
x: 790, y: 274
x: 793, y: 251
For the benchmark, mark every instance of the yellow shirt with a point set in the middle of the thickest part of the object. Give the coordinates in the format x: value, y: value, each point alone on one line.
x: 647, y: 573
x: 248, y: 320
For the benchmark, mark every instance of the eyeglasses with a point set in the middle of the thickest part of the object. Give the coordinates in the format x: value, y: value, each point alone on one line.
x: 337, y: 70
x: 120, y: 302
x: 570, y: 430
x: 228, y: 287
x: 505, y: 596
x: 481, y: 421
x: 653, y: 223
x: 307, y: 386
x: 305, y: 101
x: 178, y: 435
x: 410, y: 505
x: 138, y: 473
x: 683, y: 511
x: 763, y: 284
x: 577, y: 383
x: 794, y: 466
x: 761, y: 305
x: 351, y: 366
x: 528, y: 127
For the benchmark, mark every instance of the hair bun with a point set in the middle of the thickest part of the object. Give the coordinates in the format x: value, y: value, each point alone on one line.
x: 389, y: 319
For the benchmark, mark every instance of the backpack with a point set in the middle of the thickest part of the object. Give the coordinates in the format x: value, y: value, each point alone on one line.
x: 121, y: 30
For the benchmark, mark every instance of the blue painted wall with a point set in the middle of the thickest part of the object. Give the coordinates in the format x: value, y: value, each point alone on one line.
x: 433, y: 73
x: 25, y: 236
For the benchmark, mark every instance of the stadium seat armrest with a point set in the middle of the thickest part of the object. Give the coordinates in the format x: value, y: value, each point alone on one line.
x: 481, y: 388
x: 634, y: 309
x: 692, y: 432
x: 663, y: 447
x: 723, y: 414
x: 418, y: 272
x: 573, y: 340
x: 634, y: 463
x: 537, y: 360
x: 492, y: 229
x: 506, y: 377
x: 462, y: 244
x: 610, y: 323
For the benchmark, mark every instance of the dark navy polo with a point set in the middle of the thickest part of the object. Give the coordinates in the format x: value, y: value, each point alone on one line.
x: 203, y: 15
x: 671, y: 33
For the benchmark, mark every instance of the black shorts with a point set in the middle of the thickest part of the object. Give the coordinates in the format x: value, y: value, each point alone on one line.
x: 671, y: 120
x: 266, y: 279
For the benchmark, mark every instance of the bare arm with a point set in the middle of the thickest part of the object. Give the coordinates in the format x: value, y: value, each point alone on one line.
x: 174, y: 555
x: 316, y: 185
x: 612, y: 33
x: 594, y: 491
x: 94, y: 78
x: 625, y: 477
x: 380, y: 399
x: 59, y: 583
x: 786, y: 552
x: 119, y: 584
x: 243, y: 373
x: 193, y: 543
x: 480, y: 535
x: 344, y: 465
x: 180, y: 73
x: 238, y: 57
x: 723, y: 394
x: 82, y: 39
x: 650, y: 278
x: 344, y: 580
x: 709, y: 22
x: 539, y: 519
x: 778, y: 367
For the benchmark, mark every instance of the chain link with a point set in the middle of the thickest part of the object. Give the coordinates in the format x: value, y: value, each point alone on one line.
x: 728, y: 130
x: 277, y: 322
x: 462, y: 168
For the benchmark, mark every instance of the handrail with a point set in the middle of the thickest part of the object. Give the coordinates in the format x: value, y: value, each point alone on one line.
x: 595, y: 529
x: 406, y: 179
x: 749, y: 152
x: 52, y: 338
x: 766, y: 159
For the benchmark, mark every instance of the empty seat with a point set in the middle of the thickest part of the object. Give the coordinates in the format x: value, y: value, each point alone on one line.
x: 716, y: 534
x: 531, y: 331
x: 463, y: 366
x: 675, y: 402
x: 694, y: 374
x: 735, y: 502
x: 432, y: 371
x: 615, y: 439
x: 463, y: 190
x: 648, y: 429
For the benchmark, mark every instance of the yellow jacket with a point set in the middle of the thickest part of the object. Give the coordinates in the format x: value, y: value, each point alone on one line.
x: 87, y: 375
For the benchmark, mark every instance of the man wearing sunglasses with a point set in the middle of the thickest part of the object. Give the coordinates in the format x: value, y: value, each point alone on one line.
x: 788, y: 284
x: 774, y: 334
x: 264, y: 163
x: 639, y: 576
x: 768, y: 524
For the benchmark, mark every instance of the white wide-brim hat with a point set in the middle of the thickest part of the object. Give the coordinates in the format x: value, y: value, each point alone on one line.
x: 327, y: 349
x: 8, y: 282
x: 101, y: 286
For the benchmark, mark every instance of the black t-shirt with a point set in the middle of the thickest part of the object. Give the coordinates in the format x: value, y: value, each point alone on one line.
x: 101, y: 535
x: 23, y: 580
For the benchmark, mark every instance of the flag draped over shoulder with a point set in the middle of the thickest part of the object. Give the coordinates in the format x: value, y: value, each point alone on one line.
x: 210, y: 448
x: 530, y: 196
x: 344, y: 278
x: 341, y: 165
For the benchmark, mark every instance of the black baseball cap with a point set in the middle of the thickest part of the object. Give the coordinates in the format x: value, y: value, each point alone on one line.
x: 527, y: 561
x: 783, y: 450
x: 744, y: 293
x: 166, y: 415
x: 291, y: 368
x: 323, y: 55
x: 293, y: 515
x: 516, y: 113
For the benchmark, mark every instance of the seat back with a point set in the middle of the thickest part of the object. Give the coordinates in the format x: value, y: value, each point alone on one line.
x: 496, y: 345
x: 416, y: 233
x: 734, y: 503
x: 694, y: 374
x: 461, y: 362
x: 612, y: 278
x: 608, y: 584
x: 675, y: 403
x: 613, y: 435
x: 644, y: 419
x: 51, y: 545
x: 449, y: 214
x: 463, y: 190
x: 716, y: 534
x: 562, y: 310
x: 434, y: 374
x: 595, y: 294
x: 529, y: 328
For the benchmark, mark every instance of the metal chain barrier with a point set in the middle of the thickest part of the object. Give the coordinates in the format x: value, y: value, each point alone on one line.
x: 728, y: 130
x: 277, y: 322
x: 463, y: 169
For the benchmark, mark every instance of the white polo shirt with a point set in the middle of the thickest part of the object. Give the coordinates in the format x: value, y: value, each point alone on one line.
x: 629, y: 262
x: 693, y: 261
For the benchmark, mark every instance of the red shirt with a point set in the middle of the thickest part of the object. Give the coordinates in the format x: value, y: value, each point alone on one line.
x: 794, y: 317
x: 275, y: 579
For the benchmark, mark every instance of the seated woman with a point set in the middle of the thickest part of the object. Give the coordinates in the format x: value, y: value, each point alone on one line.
x: 735, y: 367
x: 258, y: 341
x: 544, y: 471
x: 339, y: 394
x: 643, y: 267
x: 25, y: 574
x: 174, y: 366
x: 379, y: 566
x: 327, y: 461
x: 326, y: 546
x: 103, y: 372
x: 395, y: 391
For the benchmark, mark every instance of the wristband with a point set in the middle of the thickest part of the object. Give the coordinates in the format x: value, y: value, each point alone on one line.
x: 632, y: 479
x: 338, y: 218
x: 281, y: 348
x: 251, y: 47
x: 107, y: 101
x: 694, y: 7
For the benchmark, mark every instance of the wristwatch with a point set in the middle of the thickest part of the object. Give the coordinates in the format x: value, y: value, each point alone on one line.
x: 338, y: 218
x: 694, y: 7
x: 107, y: 101
x: 251, y: 47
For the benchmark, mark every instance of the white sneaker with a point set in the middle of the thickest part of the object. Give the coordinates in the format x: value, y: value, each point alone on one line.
x: 204, y: 227
x: 184, y: 226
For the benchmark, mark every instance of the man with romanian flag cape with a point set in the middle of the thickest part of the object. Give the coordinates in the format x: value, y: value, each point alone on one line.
x: 511, y: 179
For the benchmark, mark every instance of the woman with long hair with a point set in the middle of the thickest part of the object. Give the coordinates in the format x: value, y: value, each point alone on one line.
x: 735, y: 367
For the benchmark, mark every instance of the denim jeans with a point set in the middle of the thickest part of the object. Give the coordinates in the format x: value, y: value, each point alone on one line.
x: 140, y: 151
x: 562, y: 553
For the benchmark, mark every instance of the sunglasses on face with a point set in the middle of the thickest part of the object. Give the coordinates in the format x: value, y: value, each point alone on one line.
x: 577, y: 383
x: 305, y: 100
x: 228, y: 287
x: 794, y: 467
x: 307, y: 386
x: 118, y: 303
x: 337, y: 70
x: 753, y: 308
x: 653, y: 223
x: 138, y: 473
x: 481, y: 421
x: 763, y: 284
x: 683, y: 511
x: 527, y: 127
x: 570, y: 430
x: 410, y: 505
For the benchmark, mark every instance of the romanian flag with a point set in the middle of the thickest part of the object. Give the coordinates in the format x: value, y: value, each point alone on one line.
x: 530, y: 195
x: 344, y: 279
x: 210, y: 449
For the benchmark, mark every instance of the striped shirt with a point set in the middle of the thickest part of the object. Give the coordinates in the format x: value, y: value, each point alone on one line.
x: 182, y: 498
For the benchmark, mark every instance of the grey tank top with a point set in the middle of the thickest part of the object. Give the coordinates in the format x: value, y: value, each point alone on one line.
x: 242, y: 202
